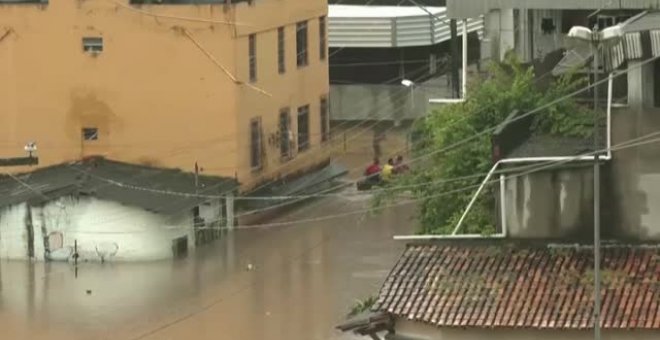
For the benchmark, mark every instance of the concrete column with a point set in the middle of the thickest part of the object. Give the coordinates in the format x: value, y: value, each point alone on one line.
x: 524, y: 36
x: 640, y: 85
x: 507, y: 32
x: 490, y: 43
x: 229, y: 199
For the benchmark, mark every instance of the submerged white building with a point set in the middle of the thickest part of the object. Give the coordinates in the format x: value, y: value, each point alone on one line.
x: 105, y: 210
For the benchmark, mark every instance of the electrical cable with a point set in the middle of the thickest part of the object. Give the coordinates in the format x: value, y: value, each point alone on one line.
x: 634, y: 142
x: 219, y: 300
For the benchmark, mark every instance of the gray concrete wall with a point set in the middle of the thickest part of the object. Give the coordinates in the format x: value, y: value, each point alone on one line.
x: 635, y: 174
x: 377, y: 102
x: 419, y: 331
x: 521, y: 32
x: 550, y: 204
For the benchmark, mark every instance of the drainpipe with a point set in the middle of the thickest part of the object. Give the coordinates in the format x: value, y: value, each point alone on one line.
x: 610, y: 82
x: 503, y: 203
x: 465, y: 60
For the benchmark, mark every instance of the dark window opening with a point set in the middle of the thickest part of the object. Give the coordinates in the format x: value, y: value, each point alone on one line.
x: 92, y: 44
x: 255, y: 143
x: 180, y: 247
x: 303, y: 128
x: 302, y: 58
x: 252, y: 51
x: 656, y: 83
x: 281, y: 51
x: 90, y: 133
x: 323, y: 48
x: 325, y: 120
x: 285, y: 133
x: 548, y: 26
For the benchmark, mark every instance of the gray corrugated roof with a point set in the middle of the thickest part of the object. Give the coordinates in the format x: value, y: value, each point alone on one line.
x: 94, y: 178
x: 649, y: 21
x: 556, y: 146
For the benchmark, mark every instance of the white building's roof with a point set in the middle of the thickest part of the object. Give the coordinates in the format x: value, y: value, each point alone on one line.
x: 354, y: 11
x: 390, y: 26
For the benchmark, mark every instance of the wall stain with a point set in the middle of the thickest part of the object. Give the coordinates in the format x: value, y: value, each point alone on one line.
x: 88, y: 110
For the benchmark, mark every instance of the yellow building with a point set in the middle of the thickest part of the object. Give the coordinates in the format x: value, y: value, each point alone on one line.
x: 239, y: 88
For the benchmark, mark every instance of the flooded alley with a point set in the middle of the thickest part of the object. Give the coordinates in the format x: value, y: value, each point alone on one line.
x: 293, y: 282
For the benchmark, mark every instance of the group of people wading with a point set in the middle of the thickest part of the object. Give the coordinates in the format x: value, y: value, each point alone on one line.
x: 374, y: 174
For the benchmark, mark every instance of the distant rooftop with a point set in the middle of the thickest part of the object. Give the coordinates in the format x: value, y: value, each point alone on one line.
x: 390, y: 26
x: 356, y: 11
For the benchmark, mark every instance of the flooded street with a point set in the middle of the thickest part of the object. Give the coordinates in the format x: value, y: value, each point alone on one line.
x: 303, y: 280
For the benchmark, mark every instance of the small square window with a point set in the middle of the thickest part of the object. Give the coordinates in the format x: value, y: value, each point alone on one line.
x: 90, y: 133
x: 92, y: 44
x: 548, y: 26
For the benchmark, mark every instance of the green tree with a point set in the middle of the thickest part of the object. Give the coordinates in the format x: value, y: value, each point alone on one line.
x: 510, y: 86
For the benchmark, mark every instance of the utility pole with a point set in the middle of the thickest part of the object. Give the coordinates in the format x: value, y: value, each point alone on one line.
x: 596, y: 53
x: 455, y: 81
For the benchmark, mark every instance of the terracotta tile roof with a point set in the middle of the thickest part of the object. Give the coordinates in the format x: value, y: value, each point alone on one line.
x: 531, y: 287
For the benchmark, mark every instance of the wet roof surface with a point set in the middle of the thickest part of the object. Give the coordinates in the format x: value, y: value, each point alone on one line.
x: 543, y: 287
x: 128, y: 184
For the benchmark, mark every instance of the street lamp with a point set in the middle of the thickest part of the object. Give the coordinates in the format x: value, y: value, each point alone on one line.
x: 411, y: 85
x: 606, y: 37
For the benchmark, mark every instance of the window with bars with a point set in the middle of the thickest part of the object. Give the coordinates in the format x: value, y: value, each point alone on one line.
x: 302, y: 58
x: 255, y: 143
x: 325, y: 119
x: 252, y: 52
x: 90, y: 134
x: 286, y: 138
x: 92, y: 44
x: 281, y: 51
x: 303, y: 128
x: 323, y: 48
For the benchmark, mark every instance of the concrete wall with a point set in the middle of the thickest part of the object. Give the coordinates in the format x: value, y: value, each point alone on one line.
x: 636, y: 171
x: 155, y: 97
x: 550, y: 204
x: 521, y: 32
x: 419, y: 331
x: 378, y: 102
x: 131, y: 233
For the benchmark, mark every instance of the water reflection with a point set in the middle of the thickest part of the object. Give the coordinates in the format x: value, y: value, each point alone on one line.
x: 304, y: 279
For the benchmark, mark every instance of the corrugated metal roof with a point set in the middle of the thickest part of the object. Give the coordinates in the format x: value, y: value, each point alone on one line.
x: 390, y: 26
x: 114, y: 181
x: 471, y: 8
x: 643, y: 22
x: 631, y: 46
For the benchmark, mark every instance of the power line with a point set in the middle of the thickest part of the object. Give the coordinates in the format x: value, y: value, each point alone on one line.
x: 217, y: 301
x: 634, y: 142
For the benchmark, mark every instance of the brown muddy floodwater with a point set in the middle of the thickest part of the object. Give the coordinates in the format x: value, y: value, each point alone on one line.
x: 305, y: 277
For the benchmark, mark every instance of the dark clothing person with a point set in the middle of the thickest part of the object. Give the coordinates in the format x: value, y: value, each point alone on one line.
x: 399, y: 166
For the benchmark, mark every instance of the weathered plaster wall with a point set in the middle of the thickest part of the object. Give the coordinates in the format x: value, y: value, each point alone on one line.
x: 419, y: 331
x: 636, y: 171
x: 98, y: 226
x: 550, y: 204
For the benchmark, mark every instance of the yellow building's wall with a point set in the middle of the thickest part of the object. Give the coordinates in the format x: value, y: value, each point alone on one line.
x: 154, y: 95
x: 296, y: 87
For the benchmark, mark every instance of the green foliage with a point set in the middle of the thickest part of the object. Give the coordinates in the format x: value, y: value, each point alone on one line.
x: 441, y: 179
x: 362, y: 306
